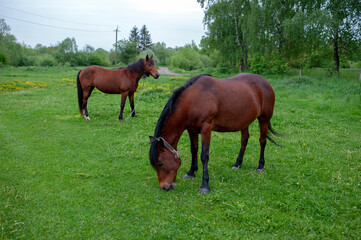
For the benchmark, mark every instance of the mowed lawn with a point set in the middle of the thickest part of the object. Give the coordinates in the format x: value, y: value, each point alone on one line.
x: 62, y: 177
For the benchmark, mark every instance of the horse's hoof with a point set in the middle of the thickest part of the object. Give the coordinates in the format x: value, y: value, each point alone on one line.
x: 187, y: 176
x: 87, y: 118
x: 234, y: 167
x: 259, y: 170
x: 204, y: 190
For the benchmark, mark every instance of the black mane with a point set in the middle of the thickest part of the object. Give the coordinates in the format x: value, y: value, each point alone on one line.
x: 167, y: 111
x: 138, y: 66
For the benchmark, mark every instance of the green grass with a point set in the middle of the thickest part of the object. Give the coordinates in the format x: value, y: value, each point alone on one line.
x: 62, y: 177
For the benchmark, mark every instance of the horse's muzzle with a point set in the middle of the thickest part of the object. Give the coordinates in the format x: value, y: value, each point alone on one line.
x: 168, y: 186
x: 156, y: 76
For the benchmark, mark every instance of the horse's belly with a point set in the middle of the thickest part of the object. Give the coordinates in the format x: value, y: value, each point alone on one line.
x: 231, y: 126
x: 234, y: 118
x: 111, y: 88
x: 109, y: 91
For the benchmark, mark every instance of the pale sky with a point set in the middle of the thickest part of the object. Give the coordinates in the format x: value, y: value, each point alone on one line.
x: 93, y: 22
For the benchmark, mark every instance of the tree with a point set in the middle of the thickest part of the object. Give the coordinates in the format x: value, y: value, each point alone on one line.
x: 88, y: 49
x: 280, y: 30
x: 4, y: 28
x: 134, y: 35
x: 145, y: 40
x: 226, y: 21
x: 11, y: 51
x: 4, y: 32
x: 163, y: 53
x: 128, y: 51
x: 66, y: 52
x: 343, y: 29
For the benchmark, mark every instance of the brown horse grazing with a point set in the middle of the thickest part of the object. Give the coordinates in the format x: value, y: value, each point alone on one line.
x: 205, y: 104
x: 122, y: 81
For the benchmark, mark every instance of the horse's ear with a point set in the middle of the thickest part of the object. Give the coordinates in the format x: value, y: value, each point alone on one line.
x: 151, y: 57
x: 161, y: 141
x: 152, y: 139
x: 147, y: 58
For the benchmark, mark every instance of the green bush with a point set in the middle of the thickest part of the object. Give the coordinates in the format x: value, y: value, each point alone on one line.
x: 46, y: 60
x: 206, y: 61
x: 277, y: 64
x: 356, y: 64
x: 319, y: 60
x: 186, y: 58
x: 223, y: 67
x: 3, y: 59
x: 258, y: 64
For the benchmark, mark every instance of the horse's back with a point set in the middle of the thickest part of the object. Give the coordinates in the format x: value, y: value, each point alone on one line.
x: 244, y: 87
x: 105, y: 80
x: 89, y: 74
x: 232, y: 103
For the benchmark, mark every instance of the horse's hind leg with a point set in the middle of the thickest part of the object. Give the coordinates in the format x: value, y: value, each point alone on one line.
x: 244, y: 140
x: 122, y: 104
x: 86, y: 95
x: 263, y: 125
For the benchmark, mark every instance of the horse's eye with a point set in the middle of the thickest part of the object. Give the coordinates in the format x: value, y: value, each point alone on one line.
x: 148, y: 65
x: 160, y: 164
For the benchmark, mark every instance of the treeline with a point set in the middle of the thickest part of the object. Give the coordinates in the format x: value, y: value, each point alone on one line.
x: 139, y: 44
x: 126, y: 51
x: 65, y: 53
x: 276, y: 34
x: 263, y: 36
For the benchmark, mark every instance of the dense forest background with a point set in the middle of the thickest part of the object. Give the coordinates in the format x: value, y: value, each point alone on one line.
x: 242, y: 35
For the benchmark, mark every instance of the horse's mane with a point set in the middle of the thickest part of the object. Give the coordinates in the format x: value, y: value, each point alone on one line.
x: 167, y: 111
x: 137, y: 66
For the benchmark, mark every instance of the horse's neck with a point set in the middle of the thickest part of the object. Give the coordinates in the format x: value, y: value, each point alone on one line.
x: 173, y: 129
x: 138, y: 70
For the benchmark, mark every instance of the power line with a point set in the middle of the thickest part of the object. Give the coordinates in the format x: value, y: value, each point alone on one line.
x: 57, y: 19
x: 52, y: 26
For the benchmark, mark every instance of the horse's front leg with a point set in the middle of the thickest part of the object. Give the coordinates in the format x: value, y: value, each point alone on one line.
x: 194, y: 150
x: 122, y: 104
x: 206, y: 131
x: 131, y: 100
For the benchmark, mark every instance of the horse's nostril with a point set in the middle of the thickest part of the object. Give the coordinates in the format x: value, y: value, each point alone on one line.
x: 165, y: 189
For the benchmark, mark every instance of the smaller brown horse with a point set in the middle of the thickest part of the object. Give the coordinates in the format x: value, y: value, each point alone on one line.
x: 205, y: 104
x: 122, y: 81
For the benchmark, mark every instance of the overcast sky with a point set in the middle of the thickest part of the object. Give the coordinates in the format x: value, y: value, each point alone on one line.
x: 93, y: 22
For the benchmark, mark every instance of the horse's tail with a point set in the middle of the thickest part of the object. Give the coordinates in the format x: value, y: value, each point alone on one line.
x: 273, y: 132
x: 80, y: 93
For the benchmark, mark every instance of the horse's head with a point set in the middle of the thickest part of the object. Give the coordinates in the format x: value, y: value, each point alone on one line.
x: 166, y: 161
x: 149, y: 67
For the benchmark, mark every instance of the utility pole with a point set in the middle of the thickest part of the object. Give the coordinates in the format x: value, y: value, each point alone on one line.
x: 116, y: 45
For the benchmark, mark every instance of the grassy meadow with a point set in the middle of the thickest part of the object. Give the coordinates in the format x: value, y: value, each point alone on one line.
x: 62, y: 177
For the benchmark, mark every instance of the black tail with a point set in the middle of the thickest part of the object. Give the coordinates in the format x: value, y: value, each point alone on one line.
x: 270, y: 132
x: 80, y: 93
